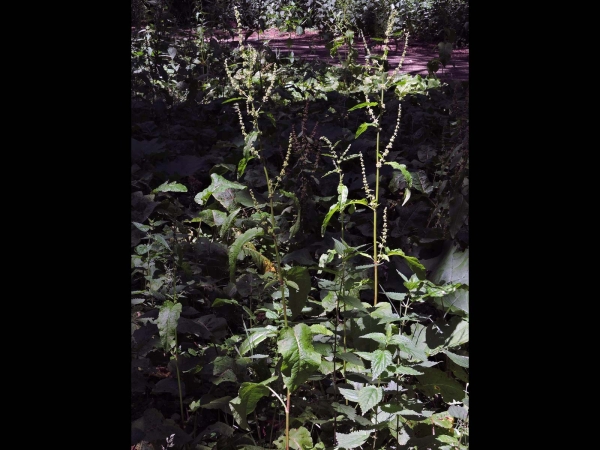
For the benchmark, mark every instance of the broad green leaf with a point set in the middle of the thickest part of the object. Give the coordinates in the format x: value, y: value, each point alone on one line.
x: 300, y: 439
x: 453, y: 267
x: 212, y: 217
x: 353, y: 439
x: 300, y: 360
x: 398, y: 296
x: 349, y: 394
x: 447, y: 439
x: 170, y: 187
x: 218, y: 185
x: 460, y: 334
x: 351, y: 358
x: 353, y: 302
x: 381, y: 359
x: 412, y: 262
x: 462, y: 361
x: 459, y: 412
x: 224, y: 301
x: 208, y: 402
x: 168, y: 316
x: 362, y: 105
x: 161, y: 239
x: 298, y: 298
x: 405, y: 173
x: 421, y: 182
x: 379, y: 337
x: 361, y: 129
x: 248, y: 396
x: 320, y: 329
x: 235, y: 249
x: 368, y: 397
x: 434, y: 381
x: 141, y: 226
x: 350, y: 412
x: 403, y: 370
x: 256, y: 338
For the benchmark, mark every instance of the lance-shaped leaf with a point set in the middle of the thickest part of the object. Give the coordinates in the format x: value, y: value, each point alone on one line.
x: 235, y: 249
x: 228, y: 221
x: 405, y: 173
x: 381, y: 359
x: 379, y: 337
x: 256, y: 338
x: 168, y: 316
x: 335, y: 208
x: 245, y: 402
x: 300, y: 360
x: 361, y: 129
x: 298, y: 297
x: 412, y: 262
x: 353, y: 439
x: 368, y: 397
x: 462, y: 361
x: 170, y: 187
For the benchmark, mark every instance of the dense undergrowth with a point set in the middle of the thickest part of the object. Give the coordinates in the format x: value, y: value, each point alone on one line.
x: 300, y: 249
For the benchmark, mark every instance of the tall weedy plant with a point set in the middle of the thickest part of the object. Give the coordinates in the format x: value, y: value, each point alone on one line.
x: 298, y: 358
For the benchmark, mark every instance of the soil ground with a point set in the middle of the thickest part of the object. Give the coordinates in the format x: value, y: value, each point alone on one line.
x: 311, y: 46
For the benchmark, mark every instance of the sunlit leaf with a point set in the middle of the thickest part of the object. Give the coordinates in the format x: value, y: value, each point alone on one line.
x: 353, y: 439
x: 168, y: 316
x: 300, y: 360
x: 368, y: 397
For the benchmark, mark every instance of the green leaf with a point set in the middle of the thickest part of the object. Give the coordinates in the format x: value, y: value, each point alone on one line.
x: 218, y: 185
x: 361, y: 129
x: 368, y: 397
x: 403, y: 370
x: 168, y: 315
x: 320, y: 329
x: 349, y: 394
x: 248, y: 396
x: 379, y: 337
x: 298, y: 298
x: 296, y: 227
x: 235, y: 249
x: 335, y: 208
x: 232, y: 100
x: 256, y: 338
x: 300, y: 439
x: 170, y: 187
x: 412, y: 262
x: 224, y: 301
x: 381, y: 359
x: 452, y: 267
x: 353, y: 439
x: 161, y: 239
x: 462, y: 361
x: 300, y: 360
x: 362, y: 105
x: 227, y: 222
x: 434, y: 381
x: 212, y: 217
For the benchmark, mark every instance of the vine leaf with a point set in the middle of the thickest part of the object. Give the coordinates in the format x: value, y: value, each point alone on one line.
x: 168, y: 316
x: 300, y: 360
